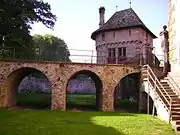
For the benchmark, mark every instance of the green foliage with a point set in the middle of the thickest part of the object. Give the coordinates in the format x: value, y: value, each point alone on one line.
x: 16, y: 18
x: 51, y: 48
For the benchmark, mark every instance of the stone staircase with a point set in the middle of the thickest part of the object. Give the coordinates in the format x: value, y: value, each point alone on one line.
x: 166, y: 93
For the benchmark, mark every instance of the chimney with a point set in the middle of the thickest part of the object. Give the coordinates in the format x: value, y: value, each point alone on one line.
x: 101, y: 14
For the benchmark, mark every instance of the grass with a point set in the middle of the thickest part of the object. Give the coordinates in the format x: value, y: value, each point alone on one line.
x: 34, y: 100
x: 83, y: 101
x: 39, y: 122
x: 43, y: 100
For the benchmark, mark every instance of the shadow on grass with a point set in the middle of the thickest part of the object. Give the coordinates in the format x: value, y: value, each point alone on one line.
x: 38, y: 122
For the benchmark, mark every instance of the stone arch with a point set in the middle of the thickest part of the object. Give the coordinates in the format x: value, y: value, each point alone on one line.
x: 11, y: 83
x: 126, y: 72
x: 97, y: 81
x: 126, y: 92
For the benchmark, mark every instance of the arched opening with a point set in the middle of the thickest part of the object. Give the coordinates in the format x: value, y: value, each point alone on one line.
x: 126, y: 93
x: 84, y: 91
x: 28, y: 88
x: 147, y: 104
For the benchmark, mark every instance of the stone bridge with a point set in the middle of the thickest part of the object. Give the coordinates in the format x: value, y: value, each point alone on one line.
x: 106, y: 78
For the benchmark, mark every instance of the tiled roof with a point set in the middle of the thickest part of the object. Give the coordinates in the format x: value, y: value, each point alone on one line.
x: 122, y: 19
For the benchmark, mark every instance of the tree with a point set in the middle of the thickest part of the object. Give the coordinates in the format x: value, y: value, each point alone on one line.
x: 51, y: 48
x: 16, y: 17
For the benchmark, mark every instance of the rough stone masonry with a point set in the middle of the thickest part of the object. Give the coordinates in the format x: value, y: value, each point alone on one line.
x: 106, y: 77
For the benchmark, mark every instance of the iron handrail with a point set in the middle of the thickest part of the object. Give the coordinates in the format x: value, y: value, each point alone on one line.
x: 157, y: 86
x: 177, y: 89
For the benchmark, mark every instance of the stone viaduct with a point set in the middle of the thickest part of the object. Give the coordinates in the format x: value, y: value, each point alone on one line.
x: 106, y: 78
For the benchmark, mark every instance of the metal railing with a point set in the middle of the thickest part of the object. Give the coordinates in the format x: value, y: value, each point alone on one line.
x: 74, y: 55
x: 158, y: 86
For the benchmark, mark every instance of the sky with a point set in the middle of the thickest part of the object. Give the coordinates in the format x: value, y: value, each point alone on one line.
x: 77, y: 19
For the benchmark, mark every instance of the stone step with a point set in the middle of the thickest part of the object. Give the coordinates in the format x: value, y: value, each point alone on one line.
x: 177, y: 128
x: 178, y: 122
x: 175, y: 117
x: 175, y: 109
x: 164, y: 81
x: 175, y: 113
x: 143, y: 70
x: 175, y: 105
x: 172, y: 96
x: 169, y: 92
x: 165, y: 86
x: 175, y: 102
x: 165, y: 89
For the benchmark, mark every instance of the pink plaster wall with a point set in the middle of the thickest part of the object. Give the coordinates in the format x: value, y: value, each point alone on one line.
x: 132, y: 49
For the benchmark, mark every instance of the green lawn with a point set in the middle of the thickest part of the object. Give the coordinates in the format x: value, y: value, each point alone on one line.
x: 34, y: 100
x: 39, y: 122
x: 81, y: 101
x: 43, y: 100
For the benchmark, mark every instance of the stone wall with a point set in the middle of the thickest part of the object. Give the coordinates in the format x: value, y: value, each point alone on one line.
x: 174, y: 39
x: 106, y: 77
x: 172, y: 26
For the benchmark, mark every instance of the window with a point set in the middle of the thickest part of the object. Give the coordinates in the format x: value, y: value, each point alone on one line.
x: 109, y: 52
x: 103, y: 36
x: 122, y: 51
x: 111, y: 55
x: 129, y: 32
x: 112, y: 52
x: 119, y: 51
x: 114, y: 34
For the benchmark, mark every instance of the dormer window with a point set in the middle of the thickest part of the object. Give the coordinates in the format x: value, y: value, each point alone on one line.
x: 129, y: 32
x: 103, y: 36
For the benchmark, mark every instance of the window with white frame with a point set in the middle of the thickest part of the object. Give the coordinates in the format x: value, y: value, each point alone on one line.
x: 122, y: 51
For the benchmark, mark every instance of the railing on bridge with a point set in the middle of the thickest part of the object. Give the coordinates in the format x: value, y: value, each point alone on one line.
x: 74, y: 55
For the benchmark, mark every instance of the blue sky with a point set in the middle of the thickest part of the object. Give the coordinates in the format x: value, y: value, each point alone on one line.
x: 77, y: 19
